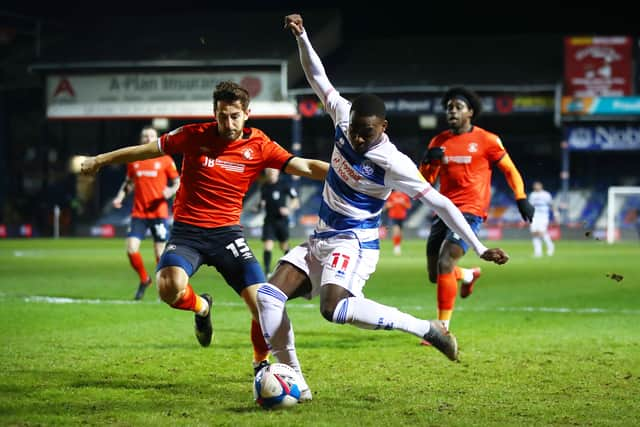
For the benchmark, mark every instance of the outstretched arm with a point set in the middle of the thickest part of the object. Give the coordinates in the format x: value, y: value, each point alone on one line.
x: 91, y: 165
x: 452, y: 216
x: 125, y: 188
x: 309, y: 59
x: 514, y: 179
x: 309, y: 168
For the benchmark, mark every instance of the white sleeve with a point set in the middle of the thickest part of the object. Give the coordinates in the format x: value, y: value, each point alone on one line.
x: 313, y: 68
x: 337, y: 106
x: 452, y: 216
x: 405, y: 176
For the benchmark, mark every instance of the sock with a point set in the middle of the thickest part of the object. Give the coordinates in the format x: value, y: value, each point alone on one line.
x: 464, y: 274
x: 447, y: 291
x: 192, y: 302
x: 260, y: 348
x: 267, y: 261
x: 549, y: 243
x: 138, y: 265
x: 396, y: 240
x: 277, y: 328
x: 368, y: 314
x: 537, y: 246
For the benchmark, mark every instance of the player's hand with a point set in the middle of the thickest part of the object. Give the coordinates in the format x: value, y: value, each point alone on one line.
x: 294, y: 22
x: 167, y: 193
x: 526, y: 209
x: 284, y: 211
x: 433, y: 155
x: 496, y: 255
x: 117, y: 203
x: 89, y: 166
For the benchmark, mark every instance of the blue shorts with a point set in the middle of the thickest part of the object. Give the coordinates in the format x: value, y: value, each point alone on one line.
x: 224, y: 248
x: 158, y: 226
x: 440, y: 232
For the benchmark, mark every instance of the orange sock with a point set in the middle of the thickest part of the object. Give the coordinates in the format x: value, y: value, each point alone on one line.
x: 189, y: 301
x: 260, y: 347
x: 457, y: 271
x: 396, y: 240
x: 447, y: 291
x: 138, y: 265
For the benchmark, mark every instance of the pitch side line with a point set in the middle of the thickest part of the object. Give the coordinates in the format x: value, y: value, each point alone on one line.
x: 586, y: 310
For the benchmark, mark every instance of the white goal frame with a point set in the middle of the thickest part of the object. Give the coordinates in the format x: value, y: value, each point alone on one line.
x: 611, y: 208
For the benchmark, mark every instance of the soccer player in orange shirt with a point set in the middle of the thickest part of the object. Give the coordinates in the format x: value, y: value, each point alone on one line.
x: 221, y: 159
x: 153, y: 182
x: 462, y: 157
x: 397, y: 206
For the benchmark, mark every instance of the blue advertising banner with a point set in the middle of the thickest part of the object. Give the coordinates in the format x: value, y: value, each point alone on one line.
x: 612, y: 105
x: 601, y: 138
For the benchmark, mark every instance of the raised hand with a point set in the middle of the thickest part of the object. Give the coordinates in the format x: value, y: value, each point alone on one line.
x: 294, y: 22
x: 495, y: 255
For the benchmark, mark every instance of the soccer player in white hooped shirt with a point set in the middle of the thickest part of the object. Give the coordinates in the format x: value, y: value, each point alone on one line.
x: 338, y: 258
x: 542, y: 201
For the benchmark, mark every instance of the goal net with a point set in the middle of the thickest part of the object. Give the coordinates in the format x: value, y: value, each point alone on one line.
x: 623, y: 214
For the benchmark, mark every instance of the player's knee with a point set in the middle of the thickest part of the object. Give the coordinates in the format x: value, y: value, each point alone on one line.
x: 327, y: 309
x: 445, y: 265
x: 168, y: 288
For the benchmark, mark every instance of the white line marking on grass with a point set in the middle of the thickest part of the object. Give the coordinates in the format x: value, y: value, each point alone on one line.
x: 585, y: 310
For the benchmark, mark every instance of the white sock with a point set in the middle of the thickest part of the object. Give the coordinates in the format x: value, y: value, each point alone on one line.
x: 368, y: 314
x: 537, y: 246
x: 467, y: 274
x: 205, y: 307
x: 277, y: 328
x: 548, y: 242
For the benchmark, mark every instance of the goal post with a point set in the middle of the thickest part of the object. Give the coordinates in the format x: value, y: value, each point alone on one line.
x: 614, y: 205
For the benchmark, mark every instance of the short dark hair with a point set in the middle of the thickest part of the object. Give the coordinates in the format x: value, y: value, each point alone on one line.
x: 470, y: 97
x: 369, y: 104
x: 229, y: 91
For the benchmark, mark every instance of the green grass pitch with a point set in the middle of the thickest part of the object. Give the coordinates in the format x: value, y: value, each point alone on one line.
x: 549, y: 341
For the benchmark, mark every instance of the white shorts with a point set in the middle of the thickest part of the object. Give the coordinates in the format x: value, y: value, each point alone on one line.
x: 337, y: 260
x: 539, y: 225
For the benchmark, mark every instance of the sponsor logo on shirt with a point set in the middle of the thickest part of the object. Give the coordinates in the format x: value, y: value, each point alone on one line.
x: 458, y: 159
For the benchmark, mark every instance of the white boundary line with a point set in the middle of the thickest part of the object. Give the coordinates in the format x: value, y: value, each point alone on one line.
x: 585, y: 310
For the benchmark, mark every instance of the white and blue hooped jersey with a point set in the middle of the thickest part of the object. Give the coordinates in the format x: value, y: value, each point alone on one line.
x: 358, y: 184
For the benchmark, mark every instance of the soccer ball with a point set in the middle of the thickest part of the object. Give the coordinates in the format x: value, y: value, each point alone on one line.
x: 276, y: 387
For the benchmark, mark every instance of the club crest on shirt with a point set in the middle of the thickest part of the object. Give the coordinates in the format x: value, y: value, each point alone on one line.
x: 473, y: 147
x: 340, y: 142
x: 247, y: 154
x: 367, y: 168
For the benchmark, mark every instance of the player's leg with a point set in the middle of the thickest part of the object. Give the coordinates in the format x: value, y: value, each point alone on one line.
x: 234, y: 259
x: 453, y: 248
x: 288, y: 281
x: 396, y: 232
x: 158, y: 227
x: 546, y: 237
x: 282, y: 234
x: 135, y: 234
x: 267, y: 254
x: 180, y: 260
x: 268, y: 236
x: 346, y: 267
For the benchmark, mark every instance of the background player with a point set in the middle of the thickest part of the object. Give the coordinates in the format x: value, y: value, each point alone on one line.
x: 397, y: 206
x: 153, y: 182
x: 279, y: 199
x: 343, y: 251
x: 462, y: 157
x: 221, y: 159
x: 542, y: 201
